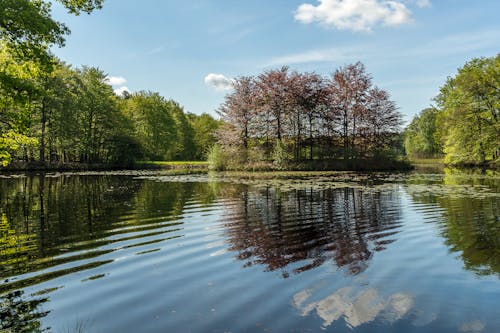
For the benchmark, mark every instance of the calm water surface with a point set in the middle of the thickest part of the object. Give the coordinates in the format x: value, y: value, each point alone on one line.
x: 139, y: 252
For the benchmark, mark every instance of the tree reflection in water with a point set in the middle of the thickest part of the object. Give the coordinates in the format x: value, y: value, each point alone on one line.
x: 470, y: 226
x: 20, y: 315
x: 307, y: 228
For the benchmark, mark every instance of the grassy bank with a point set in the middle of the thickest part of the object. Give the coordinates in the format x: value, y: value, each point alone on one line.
x: 439, y: 162
x: 153, y: 165
x: 321, y: 165
x: 169, y: 165
x: 427, y: 161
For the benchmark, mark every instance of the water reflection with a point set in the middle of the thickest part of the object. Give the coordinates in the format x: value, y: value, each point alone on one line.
x: 18, y: 314
x: 296, y: 231
x: 58, y: 225
x: 43, y: 217
x: 157, y: 242
x: 470, y: 227
x: 357, y: 307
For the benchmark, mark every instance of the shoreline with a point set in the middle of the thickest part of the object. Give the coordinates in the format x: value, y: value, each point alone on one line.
x: 202, y: 166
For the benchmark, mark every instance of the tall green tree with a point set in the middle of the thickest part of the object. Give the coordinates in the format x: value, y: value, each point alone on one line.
x: 204, y: 128
x: 422, y: 138
x: 27, y: 31
x: 184, y: 146
x: 154, y: 123
x: 470, y: 102
x: 17, y: 90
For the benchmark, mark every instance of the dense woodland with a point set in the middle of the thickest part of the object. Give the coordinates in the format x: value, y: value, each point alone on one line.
x: 464, y: 127
x: 289, y: 117
x: 64, y: 115
x: 53, y: 113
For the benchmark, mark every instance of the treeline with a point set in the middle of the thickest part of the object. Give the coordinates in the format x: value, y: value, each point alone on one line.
x: 52, y: 113
x: 66, y: 115
x: 464, y: 127
x: 288, y: 117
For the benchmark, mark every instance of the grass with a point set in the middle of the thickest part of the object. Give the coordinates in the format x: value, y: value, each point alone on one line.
x: 278, y: 174
x: 183, y: 163
x: 428, y: 161
x: 173, y: 165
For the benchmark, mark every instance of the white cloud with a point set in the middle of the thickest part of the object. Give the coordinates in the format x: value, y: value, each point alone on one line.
x: 355, y: 15
x: 120, y: 91
x: 116, y: 80
x: 219, y: 82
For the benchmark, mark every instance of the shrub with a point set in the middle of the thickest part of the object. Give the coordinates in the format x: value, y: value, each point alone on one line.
x: 216, y: 158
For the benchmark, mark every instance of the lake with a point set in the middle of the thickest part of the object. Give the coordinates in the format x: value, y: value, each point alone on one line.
x: 338, y: 252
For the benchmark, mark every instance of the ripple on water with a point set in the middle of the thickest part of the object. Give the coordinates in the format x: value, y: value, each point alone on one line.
x: 185, y: 254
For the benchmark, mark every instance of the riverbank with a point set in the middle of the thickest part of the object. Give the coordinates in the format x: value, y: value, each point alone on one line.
x: 439, y: 162
x: 361, y: 165
x: 142, y: 165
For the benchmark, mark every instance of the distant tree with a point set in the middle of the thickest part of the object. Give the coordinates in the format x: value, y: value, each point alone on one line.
x: 154, y: 123
x: 184, y: 148
x: 239, y: 108
x: 204, y: 128
x: 273, y: 98
x: 309, y: 98
x: 422, y: 136
x: 381, y: 121
x: 280, y: 110
x: 350, y: 86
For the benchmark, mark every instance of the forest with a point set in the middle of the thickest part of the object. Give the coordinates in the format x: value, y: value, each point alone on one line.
x: 307, y: 120
x: 464, y: 126
x: 64, y: 115
x: 54, y: 114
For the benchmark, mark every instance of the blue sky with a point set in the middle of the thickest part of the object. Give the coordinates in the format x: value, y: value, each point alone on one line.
x: 188, y: 50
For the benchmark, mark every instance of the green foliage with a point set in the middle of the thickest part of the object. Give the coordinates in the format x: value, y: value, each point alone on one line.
x: 466, y: 127
x: 18, y: 85
x: 11, y: 141
x: 422, y: 136
x: 183, y: 147
x: 153, y: 123
x: 27, y: 31
x: 280, y: 155
x: 470, y: 103
x: 204, y: 128
x: 216, y: 158
x: 28, y: 27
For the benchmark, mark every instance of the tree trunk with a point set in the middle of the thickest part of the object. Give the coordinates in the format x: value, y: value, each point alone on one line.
x: 42, y: 138
x: 311, y: 142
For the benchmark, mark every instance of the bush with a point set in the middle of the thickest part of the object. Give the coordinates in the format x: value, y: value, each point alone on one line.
x: 216, y: 158
x: 280, y: 155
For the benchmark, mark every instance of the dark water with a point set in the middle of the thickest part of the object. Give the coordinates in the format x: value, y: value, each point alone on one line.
x: 347, y: 253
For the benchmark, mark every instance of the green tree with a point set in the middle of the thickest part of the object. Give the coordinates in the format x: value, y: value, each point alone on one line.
x: 184, y: 146
x: 17, y: 90
x: 204, y: 128
x: 154, y: 123
x: 28, y: 27
x: 422, y: 136
x: 470, y: 102
x: 27, y: 31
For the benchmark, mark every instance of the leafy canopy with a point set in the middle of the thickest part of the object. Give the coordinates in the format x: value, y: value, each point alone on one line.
x: 28, y: 27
